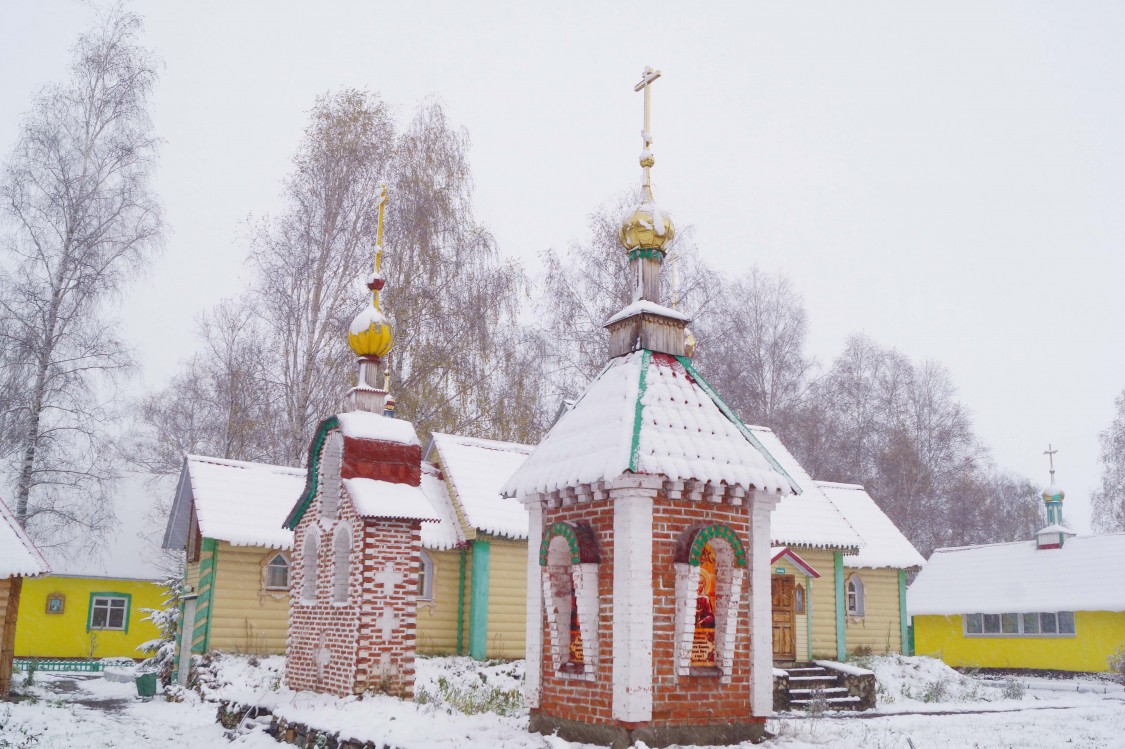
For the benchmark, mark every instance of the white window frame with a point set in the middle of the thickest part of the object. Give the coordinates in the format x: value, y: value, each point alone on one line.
x: 341, y: 563
x: 729, y: 588
x: 1021, y: 624
x: 270, y: 565
x: 331, y: 458
x: 425, y: 577
x: 559, y: 578
x: 853, y: 595
x: 309, y: 551
x: 107, y: 602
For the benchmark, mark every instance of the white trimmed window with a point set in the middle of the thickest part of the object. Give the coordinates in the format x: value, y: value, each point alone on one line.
x: 425, y: 577
x: 277, y: 573
x: 854, y: 592
x: 1033, y: 624
x: 341, y: 569
x: 308, y: 566
x: 569, y: 560
x: 328, y: 474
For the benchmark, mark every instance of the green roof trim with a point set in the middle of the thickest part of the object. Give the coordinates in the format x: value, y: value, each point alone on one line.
x: 313, y: 476
x: 635, y: 447
x: 730, y: 414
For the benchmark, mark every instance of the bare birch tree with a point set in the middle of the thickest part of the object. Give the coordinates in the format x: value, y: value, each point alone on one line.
x: 1108, y: 499
x: 83, y: 218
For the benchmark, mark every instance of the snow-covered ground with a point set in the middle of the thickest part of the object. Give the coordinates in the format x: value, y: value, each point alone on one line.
x: 462, y: 703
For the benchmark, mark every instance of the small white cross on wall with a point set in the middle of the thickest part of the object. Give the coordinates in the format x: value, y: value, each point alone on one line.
x: 388, y: 578
x: 387, y: 622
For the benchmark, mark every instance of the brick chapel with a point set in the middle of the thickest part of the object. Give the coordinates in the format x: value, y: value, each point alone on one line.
x: 648, y: 597
x: 357, y: 533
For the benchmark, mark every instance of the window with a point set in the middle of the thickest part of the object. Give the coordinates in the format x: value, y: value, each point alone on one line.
x: 1033, y: 624
x: 569, y: 560
x: 277, y: 573
x: 109, y: 611
x: 308, y: 565
x: 341, y: 549
x: 799, y: 599
x: 328, y: 475
x: 855, y: 596
x: 425, y: 577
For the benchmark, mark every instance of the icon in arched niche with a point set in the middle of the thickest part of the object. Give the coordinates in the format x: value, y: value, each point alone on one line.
x: 703, y: 644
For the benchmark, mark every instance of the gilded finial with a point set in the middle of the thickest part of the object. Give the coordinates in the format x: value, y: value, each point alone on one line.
x: 646, y: 226
x: 370, y: 334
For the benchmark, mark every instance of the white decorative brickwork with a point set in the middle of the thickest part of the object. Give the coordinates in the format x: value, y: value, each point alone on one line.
x: 532, y: 681
x: 761, y: 626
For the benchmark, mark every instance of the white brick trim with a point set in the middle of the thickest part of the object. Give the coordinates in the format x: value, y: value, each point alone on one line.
x: 632, y: 597
x: 761, y: 626
x: 533, y: 675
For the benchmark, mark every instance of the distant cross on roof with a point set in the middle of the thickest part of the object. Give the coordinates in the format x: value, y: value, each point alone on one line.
x: 1050, y: 453
x: 647, y: 77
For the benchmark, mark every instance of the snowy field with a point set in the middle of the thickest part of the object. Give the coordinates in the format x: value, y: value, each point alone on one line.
x: 462, y: 703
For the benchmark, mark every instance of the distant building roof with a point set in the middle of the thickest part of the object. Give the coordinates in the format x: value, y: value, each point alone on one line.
x: 807, y: 519
x: 647, y: 413
x: 18, y: 555
x: 1018, y: 577
x: 242, y: 503
x: 883, y: 543
x: 476, y: 469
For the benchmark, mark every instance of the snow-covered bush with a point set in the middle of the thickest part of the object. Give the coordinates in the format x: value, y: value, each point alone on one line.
x: 1117, y: 662
x: 1013, y: 689
x: 162, y: 651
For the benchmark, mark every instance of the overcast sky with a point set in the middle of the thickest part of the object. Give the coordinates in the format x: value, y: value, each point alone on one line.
x: 948, y: 179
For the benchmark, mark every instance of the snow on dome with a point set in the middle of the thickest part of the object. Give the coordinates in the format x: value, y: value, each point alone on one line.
x: 18, y: 555
x: 1017, y: 577
x: 370, y: 426
x: 646, y: 414
x: 644, y: 305
x: 883, y: 543
x: 244, y: 504
x: 446, y: 533
x: 477, y: 470
x: 809, y: 518
x: 1053, y: 494
x: 382, y: 499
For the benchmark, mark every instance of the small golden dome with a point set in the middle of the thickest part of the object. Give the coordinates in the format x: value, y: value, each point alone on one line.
x: 647, y: 227
x: 370, y: 333
x: 1053, y: 494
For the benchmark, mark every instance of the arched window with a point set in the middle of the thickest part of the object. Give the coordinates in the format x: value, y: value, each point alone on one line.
x: 328, y: 473
x: 425, y: 577
x: 308, y: 566
x: 569, y: 558
x: 341, y: 551
x: 710, y: 577
x: 277, y: 572
x: 799, y: 599
x: 855, y: 596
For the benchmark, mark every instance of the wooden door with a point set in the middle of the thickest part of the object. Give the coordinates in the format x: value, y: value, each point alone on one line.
x: 784, y: 618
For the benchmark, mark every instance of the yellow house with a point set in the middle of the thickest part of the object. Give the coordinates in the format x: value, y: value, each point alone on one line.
x: 1056, y: 602
x: 839, y: 570
x: 19, y: 560
x: 227, y: 517
x: 73, y: 616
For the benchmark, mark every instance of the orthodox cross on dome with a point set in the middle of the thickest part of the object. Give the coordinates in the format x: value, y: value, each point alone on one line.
x: 1050, y: 453
x: 648, y: 76
x: 388, y: 578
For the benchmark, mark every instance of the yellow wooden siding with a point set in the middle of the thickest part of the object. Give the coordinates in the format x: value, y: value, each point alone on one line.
x: 437, y: 617
x: 191, y: 575
x: 1097, y: 635
x: 823, y: 601
x: 507, y: 598
x: 878, y: 629
x: 66, y: 635
x: 246, y: 618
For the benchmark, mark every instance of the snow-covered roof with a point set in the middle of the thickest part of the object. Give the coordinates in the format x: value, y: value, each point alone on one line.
x: 371, y: 426
x: 447, y: 532
x: 644, y: 305
x: 244, y: 504
x: 807, y: 519
x: 382, y: 499
x: 883, y: 543
x: 646, y: 413
x: 18, y: 555
x: 477, y: 469
x: 1018, y: 577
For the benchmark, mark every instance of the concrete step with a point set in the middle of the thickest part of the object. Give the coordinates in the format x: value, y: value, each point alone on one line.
x: 832, y: 703
x: 806, y: 669
x: 830, y: 692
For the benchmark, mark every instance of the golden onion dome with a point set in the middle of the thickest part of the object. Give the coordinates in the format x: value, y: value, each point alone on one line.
x: 1053, y: 494
x: 647, y: 227
x: 370, y: 333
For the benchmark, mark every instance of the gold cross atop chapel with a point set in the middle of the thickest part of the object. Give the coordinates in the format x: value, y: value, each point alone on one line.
x: 647, y: 77
x: 1050, y: 453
